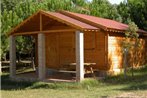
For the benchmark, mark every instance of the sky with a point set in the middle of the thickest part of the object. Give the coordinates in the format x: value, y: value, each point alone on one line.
x: 113, y: 1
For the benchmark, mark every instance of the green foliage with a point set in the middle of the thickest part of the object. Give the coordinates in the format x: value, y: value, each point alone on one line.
x: 8, y: 4
x: 8, y: 20
x: 24, y: 44
x: 124, y: 11
x: 89, y: 83
x: 134, y: 10
x: 103, y: 8
x: 132, y: 30
x: 139, y: 12
x: 131, y: 34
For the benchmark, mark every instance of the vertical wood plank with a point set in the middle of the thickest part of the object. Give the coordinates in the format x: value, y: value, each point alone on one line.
x: 106, y: 49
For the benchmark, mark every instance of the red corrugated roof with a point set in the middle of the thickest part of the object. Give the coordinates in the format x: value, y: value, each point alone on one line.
x: 106, y: 23
x: 101, y: 21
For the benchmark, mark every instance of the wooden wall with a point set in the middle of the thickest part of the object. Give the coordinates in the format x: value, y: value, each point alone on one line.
x: 115, y: 53
x: 60, y: 49
x: 99, y: 47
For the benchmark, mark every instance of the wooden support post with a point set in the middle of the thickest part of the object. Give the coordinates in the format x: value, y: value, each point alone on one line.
x: 79, y: 56
x: 41, y: 56
x: 12, y: 57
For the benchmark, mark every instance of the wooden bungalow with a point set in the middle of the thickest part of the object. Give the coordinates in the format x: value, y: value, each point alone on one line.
x: 65, y: 37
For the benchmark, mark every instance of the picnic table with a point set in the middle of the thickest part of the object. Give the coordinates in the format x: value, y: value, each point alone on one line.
x: 87, y: 67
x: 71, y: 68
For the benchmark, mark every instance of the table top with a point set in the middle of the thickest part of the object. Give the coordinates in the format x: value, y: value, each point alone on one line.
x: 85, y: 64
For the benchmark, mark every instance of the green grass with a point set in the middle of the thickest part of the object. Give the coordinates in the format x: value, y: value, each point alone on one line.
x: 89, y: 88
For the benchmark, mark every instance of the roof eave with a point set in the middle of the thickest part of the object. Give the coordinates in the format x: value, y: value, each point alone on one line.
x: 122, y: 31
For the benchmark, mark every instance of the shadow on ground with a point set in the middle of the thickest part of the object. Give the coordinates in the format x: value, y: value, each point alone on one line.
x: 137, y: 82
x: 8, y: 84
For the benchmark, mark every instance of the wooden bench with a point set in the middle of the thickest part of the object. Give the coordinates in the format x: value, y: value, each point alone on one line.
x: 66, y: 71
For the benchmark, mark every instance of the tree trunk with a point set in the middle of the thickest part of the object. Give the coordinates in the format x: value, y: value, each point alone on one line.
x: 133, y: 69
x: 32, y: 61
x: 134, y: 60
x: 125, y: 63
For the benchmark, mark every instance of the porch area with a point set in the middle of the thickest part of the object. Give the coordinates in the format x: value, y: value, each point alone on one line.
x: 52, y: 76
x: 51, y: 23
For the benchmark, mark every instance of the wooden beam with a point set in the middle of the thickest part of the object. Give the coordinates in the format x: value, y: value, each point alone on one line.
x: 57, y: 27
x: 41, y: 22
x: 48, y: 31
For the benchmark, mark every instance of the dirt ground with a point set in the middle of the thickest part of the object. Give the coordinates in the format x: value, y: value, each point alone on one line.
x: 139, y: 94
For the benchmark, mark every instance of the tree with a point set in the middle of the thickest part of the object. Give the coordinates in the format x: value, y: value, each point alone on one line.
x: 103, y: 8
x: 8, y: 20
x: 138, y: 11
x: 124, y: 11
x: 131, y: 41
x: 134, y: 10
